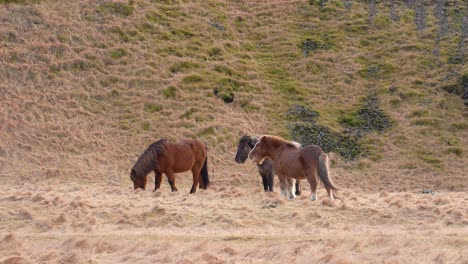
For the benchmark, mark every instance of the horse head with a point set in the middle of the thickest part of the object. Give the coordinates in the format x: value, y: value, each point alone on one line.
x: 245, y: 145
x: 138, y: 179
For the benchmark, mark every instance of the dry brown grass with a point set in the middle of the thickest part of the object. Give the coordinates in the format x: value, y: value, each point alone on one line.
x: 112, y: 223
x: 84, y: 89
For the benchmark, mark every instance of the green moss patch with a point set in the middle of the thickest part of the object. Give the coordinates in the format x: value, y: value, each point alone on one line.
x: 300, y: 113
x: 459, y: 88
x: 304, y: 129
x: 369, y: 117
x: 377, y: 70
x: 118, y: 53
x: 183, y: 66
x: 116, y: 8
x: 307, y: 133
x: 170, y: 92
x: 194, y: 78
x: 310, y: 45
x: 225, y: 94
x: 209, y: 131
x: 152, y: 107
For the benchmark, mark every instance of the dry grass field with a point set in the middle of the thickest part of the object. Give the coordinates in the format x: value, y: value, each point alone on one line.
x: 86, y: 86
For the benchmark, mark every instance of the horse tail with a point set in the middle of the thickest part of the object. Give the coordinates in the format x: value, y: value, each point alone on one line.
x: 324, y: 172
x: 204, y: 173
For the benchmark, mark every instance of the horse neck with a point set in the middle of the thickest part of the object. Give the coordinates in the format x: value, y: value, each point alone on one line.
x: 274, y: 150
x: 146, y: 163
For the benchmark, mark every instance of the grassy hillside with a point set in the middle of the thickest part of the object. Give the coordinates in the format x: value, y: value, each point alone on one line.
x: 87, y: 85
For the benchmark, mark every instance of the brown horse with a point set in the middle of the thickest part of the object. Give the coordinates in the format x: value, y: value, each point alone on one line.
x: 165, y: 157
x: 246, y: 144
x: 297, y: 163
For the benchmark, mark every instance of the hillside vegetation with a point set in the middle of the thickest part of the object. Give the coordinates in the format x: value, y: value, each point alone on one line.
x: 87, y: 85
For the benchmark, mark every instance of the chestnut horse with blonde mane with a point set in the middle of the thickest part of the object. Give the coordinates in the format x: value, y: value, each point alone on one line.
x: 291, y: 162
x: 246, y: 144
x: 169, y: 158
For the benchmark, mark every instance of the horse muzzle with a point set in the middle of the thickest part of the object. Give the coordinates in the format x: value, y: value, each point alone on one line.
x: 240, y: 159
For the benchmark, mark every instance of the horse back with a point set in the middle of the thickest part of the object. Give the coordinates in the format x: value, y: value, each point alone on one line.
x: 312, y: 150
x: 310, y: 155
x: 198, y: 148
x: 289, y: 163
x: 181, y: 156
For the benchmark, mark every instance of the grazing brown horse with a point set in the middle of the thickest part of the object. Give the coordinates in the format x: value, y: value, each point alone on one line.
x: 265, y: 169
x: 165, y: 157
x: 291, y: 162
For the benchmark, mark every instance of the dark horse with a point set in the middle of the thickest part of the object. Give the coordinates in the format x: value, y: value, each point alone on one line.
x: 246, y: 144
x: 309, y: 162
x: 165, y: 157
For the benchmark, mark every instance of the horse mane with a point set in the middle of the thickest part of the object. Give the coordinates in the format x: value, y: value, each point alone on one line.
x: 148, y: 161
x: 245, y: 139
x: 249, y: 140
x: 296, y: 144
x: 282, y: 141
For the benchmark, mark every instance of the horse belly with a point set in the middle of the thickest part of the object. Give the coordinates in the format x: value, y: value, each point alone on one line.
x: 291, y: 167
x: 297, y: 173
x: 183, y: 164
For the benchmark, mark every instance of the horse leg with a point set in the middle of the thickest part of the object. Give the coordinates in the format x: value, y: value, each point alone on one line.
x: 283, y: 186
x: 270, y: 181
x: 157, y: 180
x: 312, y: 179
x: 200, y: 182
x: 171, y: 179
x: 291, y: 188
x: 265, y: 182
x: 330, y: 193
x: 196, y: 179
x: 298, y: 188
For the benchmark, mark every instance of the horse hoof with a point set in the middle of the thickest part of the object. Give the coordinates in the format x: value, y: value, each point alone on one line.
x: 313, y: 197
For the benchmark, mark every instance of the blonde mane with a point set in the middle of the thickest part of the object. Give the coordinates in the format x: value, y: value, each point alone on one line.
x: 293, y: 144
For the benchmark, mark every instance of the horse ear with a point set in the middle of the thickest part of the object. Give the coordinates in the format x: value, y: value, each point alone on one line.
x: 253, y: 141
